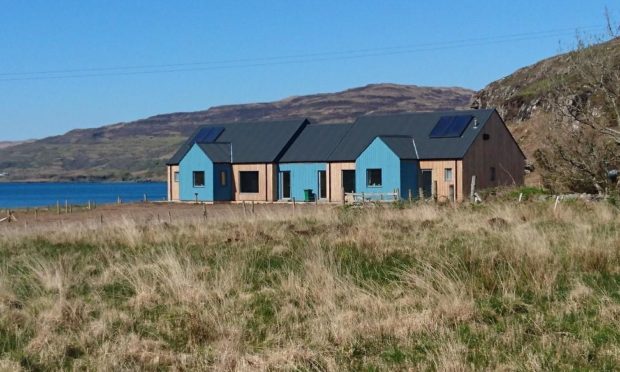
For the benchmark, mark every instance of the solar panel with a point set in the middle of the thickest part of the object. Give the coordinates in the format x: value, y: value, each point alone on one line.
x: 451, y: 126
x: 215, y: 132
x: 208, y: 135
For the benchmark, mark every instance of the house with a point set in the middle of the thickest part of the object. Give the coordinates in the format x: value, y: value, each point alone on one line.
x: 433, y: 153
x: 231, y: 162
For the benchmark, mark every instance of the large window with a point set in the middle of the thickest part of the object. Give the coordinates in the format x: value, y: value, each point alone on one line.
x: 199, y: 179
x: 176, y: 176
x: 249, y: 182
x: 373, y: 178
x: 447, y: 173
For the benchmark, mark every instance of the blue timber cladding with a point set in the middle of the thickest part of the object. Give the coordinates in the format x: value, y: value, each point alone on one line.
x: 303, y: 176
x: 197, y: 161
x: 396, y: 174
x: 409, y: 171
x: 222, y: 192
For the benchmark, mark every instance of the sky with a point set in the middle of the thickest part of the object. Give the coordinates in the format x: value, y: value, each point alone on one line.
x: 82, y: 63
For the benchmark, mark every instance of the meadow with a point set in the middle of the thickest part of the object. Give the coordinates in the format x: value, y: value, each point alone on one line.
x: 494, y: 286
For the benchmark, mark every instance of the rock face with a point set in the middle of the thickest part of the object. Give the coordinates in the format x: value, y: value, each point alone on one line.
x: 532, y: 90
x: 530, y: 97
x: 139, y: 149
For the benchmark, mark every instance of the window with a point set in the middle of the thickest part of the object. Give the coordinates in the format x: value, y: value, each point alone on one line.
x: 348, y: 180
x: 223, y: 179
x: 249, y: 182
x: 176, y: 176
x: 199, y: 179
x: 486, y: 136
x: 493, y: 175
x: 373, y: 178
x: 447, y: 174
x: 285, y: 181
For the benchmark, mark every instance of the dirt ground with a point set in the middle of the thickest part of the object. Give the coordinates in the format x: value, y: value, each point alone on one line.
x: 145, y: 213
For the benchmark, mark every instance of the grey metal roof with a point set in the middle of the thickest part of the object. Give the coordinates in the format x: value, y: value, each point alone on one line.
x: 255, y: 142
x: 315, y: 143
x: 217, y: 152
x: 403, y: 146
x: 416, y: 125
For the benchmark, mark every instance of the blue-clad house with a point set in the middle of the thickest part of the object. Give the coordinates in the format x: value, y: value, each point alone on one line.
x: 305, y: 166
x: 388, y: 165
x: 205, y: 173
x: 437, y: 154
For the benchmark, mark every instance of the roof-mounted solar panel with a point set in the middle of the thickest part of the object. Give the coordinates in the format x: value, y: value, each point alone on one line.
x: 451, y: 126
x: 208, y: 135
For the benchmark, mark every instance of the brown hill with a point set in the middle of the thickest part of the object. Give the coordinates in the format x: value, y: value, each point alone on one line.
x: 139, y: 149
x: 528, y: 98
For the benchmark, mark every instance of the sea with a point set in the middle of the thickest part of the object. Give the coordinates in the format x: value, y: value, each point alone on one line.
x: 33, y: 194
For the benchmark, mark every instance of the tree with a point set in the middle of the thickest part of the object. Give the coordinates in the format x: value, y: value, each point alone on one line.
x: 583, y: 138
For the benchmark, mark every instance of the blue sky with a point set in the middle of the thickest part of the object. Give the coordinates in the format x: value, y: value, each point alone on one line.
x: 125, y: 60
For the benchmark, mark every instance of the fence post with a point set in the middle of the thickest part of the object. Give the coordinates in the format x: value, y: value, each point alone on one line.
x: 434, y: 190
x: 66, y: 206
x: 472, y: 190
x: 520, y: 197
x: 118, y: 200
x: 293, y: 204
x: 396, y: 194
x: 89, y: 207
x: 410, y: 196
x: 36, y: 213
x: 421, y: 193
x: 146, y: 199
x: 244, y: 211
x: 57, y: 207
x: 344, y: 196
x: 252, y: 206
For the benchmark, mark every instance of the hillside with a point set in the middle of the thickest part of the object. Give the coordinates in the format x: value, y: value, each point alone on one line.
x: 7, y: 144
x: 139, y: 149
x: 526, y: 99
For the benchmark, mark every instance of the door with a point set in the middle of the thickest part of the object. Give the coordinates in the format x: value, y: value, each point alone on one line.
x: 285, y: 185
x: 426, y: 181
x: 348, y: 181
x: 322, y: 185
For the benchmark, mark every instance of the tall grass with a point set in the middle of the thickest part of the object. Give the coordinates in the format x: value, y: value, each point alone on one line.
x: 501, y: 286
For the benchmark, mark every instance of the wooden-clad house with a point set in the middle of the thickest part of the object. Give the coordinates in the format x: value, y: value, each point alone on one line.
x: 436, y: 153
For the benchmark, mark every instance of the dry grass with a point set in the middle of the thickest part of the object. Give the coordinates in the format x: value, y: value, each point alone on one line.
x: 426, y: 287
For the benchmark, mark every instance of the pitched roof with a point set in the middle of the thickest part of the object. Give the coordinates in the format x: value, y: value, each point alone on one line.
x: 217, y: 152
x: 416, y: 125
x: 403, y: 146
x: 255, y: 142
x: 315, y: 143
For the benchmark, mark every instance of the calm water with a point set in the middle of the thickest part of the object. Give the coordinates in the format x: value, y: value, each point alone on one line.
x: 25, y: 195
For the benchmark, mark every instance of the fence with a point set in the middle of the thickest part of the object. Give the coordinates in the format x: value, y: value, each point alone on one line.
x: 377, y: 197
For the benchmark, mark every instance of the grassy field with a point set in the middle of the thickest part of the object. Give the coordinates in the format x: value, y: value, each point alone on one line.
x: 498, y: 286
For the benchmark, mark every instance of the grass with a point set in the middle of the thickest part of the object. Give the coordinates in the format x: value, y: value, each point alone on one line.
x: 496, y: 286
